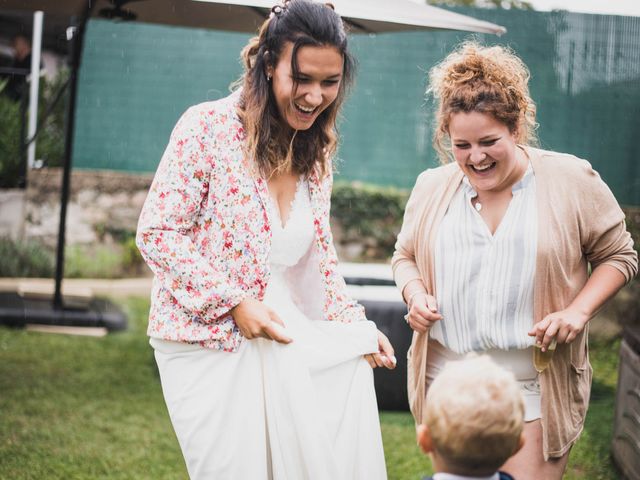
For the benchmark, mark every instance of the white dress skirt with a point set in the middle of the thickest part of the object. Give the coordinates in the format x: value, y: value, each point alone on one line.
x: 306, y: 410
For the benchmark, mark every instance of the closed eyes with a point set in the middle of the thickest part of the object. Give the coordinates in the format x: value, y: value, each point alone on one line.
x: 484, y: 143
x: 306, y: 80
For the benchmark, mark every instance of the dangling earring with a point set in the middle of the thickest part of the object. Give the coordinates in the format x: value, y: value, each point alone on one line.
x: 268, y: 77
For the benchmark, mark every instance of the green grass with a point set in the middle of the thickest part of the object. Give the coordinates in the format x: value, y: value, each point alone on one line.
x: 590, y: 458
x: 84, y: 408
x: 404, y: 458
x: 92, y: 408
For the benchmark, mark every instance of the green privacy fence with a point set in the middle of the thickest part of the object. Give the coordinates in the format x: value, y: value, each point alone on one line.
x: 136, y: 80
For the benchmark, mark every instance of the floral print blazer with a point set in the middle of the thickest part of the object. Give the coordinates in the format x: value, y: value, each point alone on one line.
x: 205, y: 233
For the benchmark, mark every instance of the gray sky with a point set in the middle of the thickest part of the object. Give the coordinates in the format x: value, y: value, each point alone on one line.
x: 607, y: 7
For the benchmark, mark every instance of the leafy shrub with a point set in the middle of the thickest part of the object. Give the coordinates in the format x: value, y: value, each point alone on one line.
x: 369, y: 215
x: 633, y: 225
x: 132, y: 261
x: 10, y: 164
x: 30, y: 258
x: 50, y: 140
x: 25, y: 259
x: 93, y: 261
x: 114, y: 260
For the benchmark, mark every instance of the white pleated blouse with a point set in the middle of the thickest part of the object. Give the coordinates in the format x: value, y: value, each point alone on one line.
x: 484, y: 282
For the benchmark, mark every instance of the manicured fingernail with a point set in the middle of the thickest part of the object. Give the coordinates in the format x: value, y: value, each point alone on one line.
x: 393, y: 359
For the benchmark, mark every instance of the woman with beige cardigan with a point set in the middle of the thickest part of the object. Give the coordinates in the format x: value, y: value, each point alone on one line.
x: 495, y: 249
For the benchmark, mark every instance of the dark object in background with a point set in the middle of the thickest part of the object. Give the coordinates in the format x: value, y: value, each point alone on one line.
x: 625, y: 446
x: 18, y: 312
x: 17, y: 81
x: 391, y: 385
x: 20, y: 68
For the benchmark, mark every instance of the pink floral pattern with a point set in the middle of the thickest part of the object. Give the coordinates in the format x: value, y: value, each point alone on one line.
x: 204, y: 232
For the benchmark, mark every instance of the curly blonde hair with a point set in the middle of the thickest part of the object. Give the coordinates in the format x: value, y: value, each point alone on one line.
x: 491, y: 80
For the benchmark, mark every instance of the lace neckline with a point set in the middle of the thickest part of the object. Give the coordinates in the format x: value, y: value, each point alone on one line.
x: 275, y: 208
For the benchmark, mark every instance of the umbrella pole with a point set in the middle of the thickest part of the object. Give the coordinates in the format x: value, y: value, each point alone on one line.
x: 77, y: 41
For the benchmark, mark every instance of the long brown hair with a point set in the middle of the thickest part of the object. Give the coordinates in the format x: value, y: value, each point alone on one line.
x: 269, y: 141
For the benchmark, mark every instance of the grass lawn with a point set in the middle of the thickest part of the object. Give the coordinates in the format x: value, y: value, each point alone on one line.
x: 91, y: 408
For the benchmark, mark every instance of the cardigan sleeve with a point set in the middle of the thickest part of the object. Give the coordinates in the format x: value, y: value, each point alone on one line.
x: 604, y: 236
x: 403, y: 261
x: 169, y: 217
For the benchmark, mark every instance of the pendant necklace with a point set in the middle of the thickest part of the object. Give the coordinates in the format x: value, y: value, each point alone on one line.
x: 478, y: 205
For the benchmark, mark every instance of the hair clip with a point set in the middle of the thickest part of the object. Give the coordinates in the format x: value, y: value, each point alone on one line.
x: 277, y: 10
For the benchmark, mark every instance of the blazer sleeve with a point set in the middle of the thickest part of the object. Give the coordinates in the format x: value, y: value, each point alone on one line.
x: 170, y: 215
x: 403, y: 261
x: 604, y: 236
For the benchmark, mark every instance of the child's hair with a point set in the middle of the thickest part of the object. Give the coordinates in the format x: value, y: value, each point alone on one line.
x: 269, y: 143
x: 491, y: 80
x: 475, y: 414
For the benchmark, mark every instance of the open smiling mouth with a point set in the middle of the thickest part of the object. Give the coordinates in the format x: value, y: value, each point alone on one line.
x: 483, y: 168
x: 305, y: 110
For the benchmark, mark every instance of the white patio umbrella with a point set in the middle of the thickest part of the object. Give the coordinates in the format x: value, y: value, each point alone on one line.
x: 247, y: 15
x: 387, y: 15
x: 370, y: 16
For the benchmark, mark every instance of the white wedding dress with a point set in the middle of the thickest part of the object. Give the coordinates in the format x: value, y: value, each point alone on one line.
x: 304, y: 410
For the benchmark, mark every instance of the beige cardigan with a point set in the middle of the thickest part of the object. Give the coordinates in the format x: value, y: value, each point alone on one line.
x: 579, y: 222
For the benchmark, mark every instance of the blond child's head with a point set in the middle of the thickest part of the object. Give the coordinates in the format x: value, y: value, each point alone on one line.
x: 474, y: 417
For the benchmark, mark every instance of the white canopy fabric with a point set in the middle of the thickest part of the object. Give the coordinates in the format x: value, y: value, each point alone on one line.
x: 247, y: 15
x: 390, y: 15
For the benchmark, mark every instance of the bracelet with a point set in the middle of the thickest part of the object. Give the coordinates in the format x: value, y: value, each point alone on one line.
x: 410, y: 300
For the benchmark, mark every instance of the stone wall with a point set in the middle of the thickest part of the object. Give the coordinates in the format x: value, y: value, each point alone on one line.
x: 102, y: 204
x: 12, y: 212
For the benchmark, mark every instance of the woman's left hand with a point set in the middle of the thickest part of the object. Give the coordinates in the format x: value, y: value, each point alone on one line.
x: 385, y: 356
x: 564, y: 326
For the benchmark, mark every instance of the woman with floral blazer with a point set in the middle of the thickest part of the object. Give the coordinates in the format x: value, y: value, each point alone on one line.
x: 263, y: 357
x: 209, y: 247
